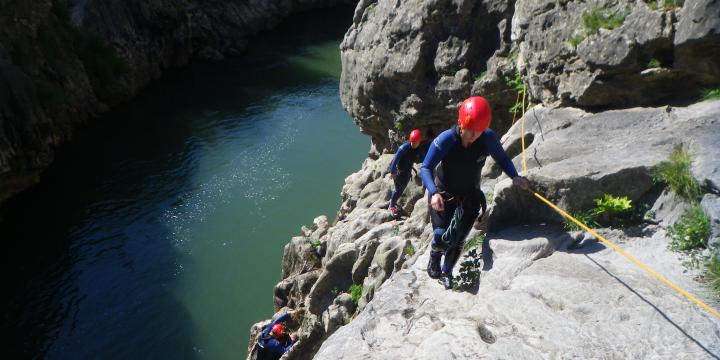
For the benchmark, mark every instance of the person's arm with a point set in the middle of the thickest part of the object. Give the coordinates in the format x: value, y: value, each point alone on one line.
x: 398, y: 155
x: 281, y: 318
x: 499, y: 155
x: 437, y: 151
x: 289, y: 345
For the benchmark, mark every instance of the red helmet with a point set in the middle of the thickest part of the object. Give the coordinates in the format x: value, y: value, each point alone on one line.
x: 474, y: 114
x: 415, y: 136
x: 278, y: 331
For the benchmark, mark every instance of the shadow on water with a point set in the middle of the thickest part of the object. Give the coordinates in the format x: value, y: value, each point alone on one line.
x: 88, y: 263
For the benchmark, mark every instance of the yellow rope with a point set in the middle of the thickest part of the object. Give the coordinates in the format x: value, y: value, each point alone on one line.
x: 523, y: 132
x: 607, y: 242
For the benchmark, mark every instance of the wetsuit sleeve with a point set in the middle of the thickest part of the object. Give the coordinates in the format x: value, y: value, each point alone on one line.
x: 281, y: 318
x: 398, y: 155
x: 437, y: 151
x: 289, y: 345
x: 498, y: 153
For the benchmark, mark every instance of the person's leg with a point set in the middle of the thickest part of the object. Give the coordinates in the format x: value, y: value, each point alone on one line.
x: 401, y: 180
x: 459, y: 227
x: 440, y: 221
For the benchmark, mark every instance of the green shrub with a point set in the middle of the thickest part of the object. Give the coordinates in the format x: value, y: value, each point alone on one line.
x: 691, y: 231
x: 577, y: 39
x: 481, y: 75
x: 613, y: 205
x: 587, y: 218
x: 474, y: 243
x: 712, y: 272
x: 654, y: 63
x: 315, y: 243
x: 409, y: 250
x: 398, y: 126
x: 596, y: 18
x: 709, y: 94
x: 355, y: 293
x: 676, y: 174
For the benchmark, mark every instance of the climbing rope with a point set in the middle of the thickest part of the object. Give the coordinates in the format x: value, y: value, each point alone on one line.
x: 605, y: 241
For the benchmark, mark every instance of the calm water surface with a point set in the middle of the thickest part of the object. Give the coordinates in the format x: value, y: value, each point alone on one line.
x: 158, y: 233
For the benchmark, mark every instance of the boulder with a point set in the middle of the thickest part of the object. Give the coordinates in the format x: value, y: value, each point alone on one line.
x: 545, y: 300
x: 336, y: 277
x: 573, y: 156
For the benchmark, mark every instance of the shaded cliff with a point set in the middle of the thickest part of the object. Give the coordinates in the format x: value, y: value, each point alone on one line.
x: 62, y: 62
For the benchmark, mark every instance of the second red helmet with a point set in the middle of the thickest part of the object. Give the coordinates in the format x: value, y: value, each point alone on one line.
x: 415, y: 136
x: 474, y: 114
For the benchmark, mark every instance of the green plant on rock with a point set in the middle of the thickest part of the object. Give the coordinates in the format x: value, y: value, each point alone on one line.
x: 712, y: 272
x: 396, y: 230
x: 398, y: 126
x: 654, y: 63
x: 315, y: 243
x: 481, y: 75
x: 613, y: 205
x: 691, y: 231
x: 474, y: 243
x: 676, y: 173
x: 577, y: 39
x: 356, y: 291
x: 595, y: 19
x: 709, y: 94
x: 587, y: 218
x: 409, y: 250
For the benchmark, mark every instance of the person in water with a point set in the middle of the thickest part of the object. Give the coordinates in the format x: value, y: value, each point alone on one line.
x: 453, y: 188
x: 274, y: 340
x: 401, y: 166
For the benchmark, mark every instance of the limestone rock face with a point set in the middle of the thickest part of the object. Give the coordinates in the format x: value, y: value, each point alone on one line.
x: 412, y: 62
x: 536, y: 300
x: 409, y: 64
x: 573, y: 156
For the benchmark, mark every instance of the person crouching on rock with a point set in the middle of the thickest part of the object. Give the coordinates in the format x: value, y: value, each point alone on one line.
x: 454, y: 187
x: 401, y: 166
x: 274, y: 340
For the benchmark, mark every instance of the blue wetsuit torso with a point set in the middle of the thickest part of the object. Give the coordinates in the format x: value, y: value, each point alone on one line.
x: 405, y: 156
x: 269, y: 347
x: 460, y: 167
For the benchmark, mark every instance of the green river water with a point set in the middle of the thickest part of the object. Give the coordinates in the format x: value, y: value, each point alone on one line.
x: 158, y: 232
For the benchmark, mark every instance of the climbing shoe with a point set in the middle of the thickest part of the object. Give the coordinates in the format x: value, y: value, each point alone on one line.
x: 394, y: 211
x: 433, y: 267
x: 447, y: 281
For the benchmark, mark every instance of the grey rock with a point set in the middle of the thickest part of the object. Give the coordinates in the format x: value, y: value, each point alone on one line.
x: 338, y: 314
x: 299, y: 256
x: 413, y: 61
x: 292, y: 291
x: 360, y: 268
x: 698, y: 35
x: 570, y: 167
x: 336, y: 275
x: 388, y: 258
x: 545, y: 301
x: 711, y: 204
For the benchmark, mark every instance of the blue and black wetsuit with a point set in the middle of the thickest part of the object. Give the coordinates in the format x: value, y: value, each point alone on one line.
x: 457, y: 179
x: 270, y: 348
x: 401, y: 167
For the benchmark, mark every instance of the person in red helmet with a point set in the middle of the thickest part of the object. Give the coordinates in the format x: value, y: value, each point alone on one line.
x: 401, y: 166
x: 274, y: 340
x: 454, y: 193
